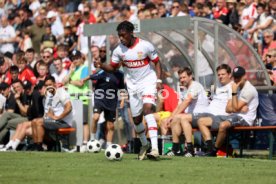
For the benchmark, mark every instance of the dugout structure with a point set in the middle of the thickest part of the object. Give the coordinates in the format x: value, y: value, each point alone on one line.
x: 199, y: 43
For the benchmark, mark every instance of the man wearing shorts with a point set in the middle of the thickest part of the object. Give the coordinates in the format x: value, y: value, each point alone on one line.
x: 135, y: 56
x: 243, y: 107
x: 58, y: 112
x: 222, y: 95
x: 194, y: 101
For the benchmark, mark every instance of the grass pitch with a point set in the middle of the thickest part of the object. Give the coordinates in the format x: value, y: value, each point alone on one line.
x: 52, y: 168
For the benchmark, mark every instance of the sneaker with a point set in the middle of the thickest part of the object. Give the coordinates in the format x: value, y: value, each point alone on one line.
x: 143, y: 151
x: 172, y: 153
x: 83, y: 148
x: 2, y: 146
x: 210, y: 154
x: 189, y: 154
x: 153, y: 155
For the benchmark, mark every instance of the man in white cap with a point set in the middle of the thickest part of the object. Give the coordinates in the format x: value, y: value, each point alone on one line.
x: 56, y: 25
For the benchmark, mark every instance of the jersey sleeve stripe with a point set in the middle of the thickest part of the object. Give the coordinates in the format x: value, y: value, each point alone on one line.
x: 155, y: 60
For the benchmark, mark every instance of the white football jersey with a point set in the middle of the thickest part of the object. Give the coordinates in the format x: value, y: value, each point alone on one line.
x: 136, y: 62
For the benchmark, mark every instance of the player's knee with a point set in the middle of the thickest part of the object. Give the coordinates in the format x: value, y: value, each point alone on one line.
x: 224, y: 126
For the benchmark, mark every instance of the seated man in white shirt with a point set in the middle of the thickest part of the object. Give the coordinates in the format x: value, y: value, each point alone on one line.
x: 58, y: 112
x: 185, y: 122
x: 194, y: 101
x: 243, y: 107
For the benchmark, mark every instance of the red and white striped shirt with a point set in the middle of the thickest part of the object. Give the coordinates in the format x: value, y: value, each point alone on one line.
x: 248, y: 13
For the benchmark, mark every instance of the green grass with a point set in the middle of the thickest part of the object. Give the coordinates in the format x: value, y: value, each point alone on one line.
x: 35, y: 167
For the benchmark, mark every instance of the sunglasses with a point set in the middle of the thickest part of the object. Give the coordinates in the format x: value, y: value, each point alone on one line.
x: 102, y: 50
x: 268, y: 36
x: 46, y: 57
x: 175, y: 7
x: 154, y: 14
x: 269, y: 55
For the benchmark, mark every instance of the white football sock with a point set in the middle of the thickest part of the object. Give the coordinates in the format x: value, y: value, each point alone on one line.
x: 140, y: 130
x: 92, y: 136
x: 15, y: 144
x: 108, y: 144
x: 152, y: 128
x: 10, y: 143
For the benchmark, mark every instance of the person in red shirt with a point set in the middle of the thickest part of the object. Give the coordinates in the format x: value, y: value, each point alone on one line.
x: 221, y: 12
x: 25, y: 73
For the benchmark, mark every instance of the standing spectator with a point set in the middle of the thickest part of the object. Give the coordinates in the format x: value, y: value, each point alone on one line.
x: 62, y: 53
x: 25, y: 73
x: 36, y: 31
x: 25, y: 21
x: 176, y: 9
x: 56, y: 25
x: 79, y: 71
x: 162, y: 10
x: 221, y: 12
x: 48, y: 40
x: 30, y: 57
x: 26, y: 41
x: 60, y: 73
x: 127, y: 14
x: 7, y: 36
x: 207, y: 8
x: 70, y: 39
x: 233, y: 12
x: 14, y: 71
x: 248, y: 17
x: 34, y: 7
x: 82, y: 40
x: 42, y: 72
x: 263, y: 21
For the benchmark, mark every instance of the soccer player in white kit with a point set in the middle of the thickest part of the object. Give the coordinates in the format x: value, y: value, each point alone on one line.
x: 142, y: 81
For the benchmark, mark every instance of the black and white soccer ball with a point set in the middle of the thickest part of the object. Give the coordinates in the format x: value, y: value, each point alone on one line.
x: 93, y: 146
x: 114, y: 152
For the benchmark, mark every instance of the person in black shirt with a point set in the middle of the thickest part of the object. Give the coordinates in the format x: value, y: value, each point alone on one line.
x: 105, y: 100
x: 17, y: 106
x: 36, y: 110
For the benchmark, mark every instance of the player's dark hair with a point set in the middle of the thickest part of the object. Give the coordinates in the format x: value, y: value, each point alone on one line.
x: 225, y: 67
x: 187, y: 70
x: 126, y: 26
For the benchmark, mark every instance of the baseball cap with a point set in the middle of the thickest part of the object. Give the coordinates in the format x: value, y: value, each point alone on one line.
x: 4, y: 86
x: 2, y: 60
x: 75, y: 54
x: 51, y: 14
x: 238, y: 72
x: 27, y: 85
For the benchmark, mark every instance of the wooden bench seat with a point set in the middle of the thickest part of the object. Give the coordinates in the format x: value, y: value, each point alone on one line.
x: 243, y: 129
